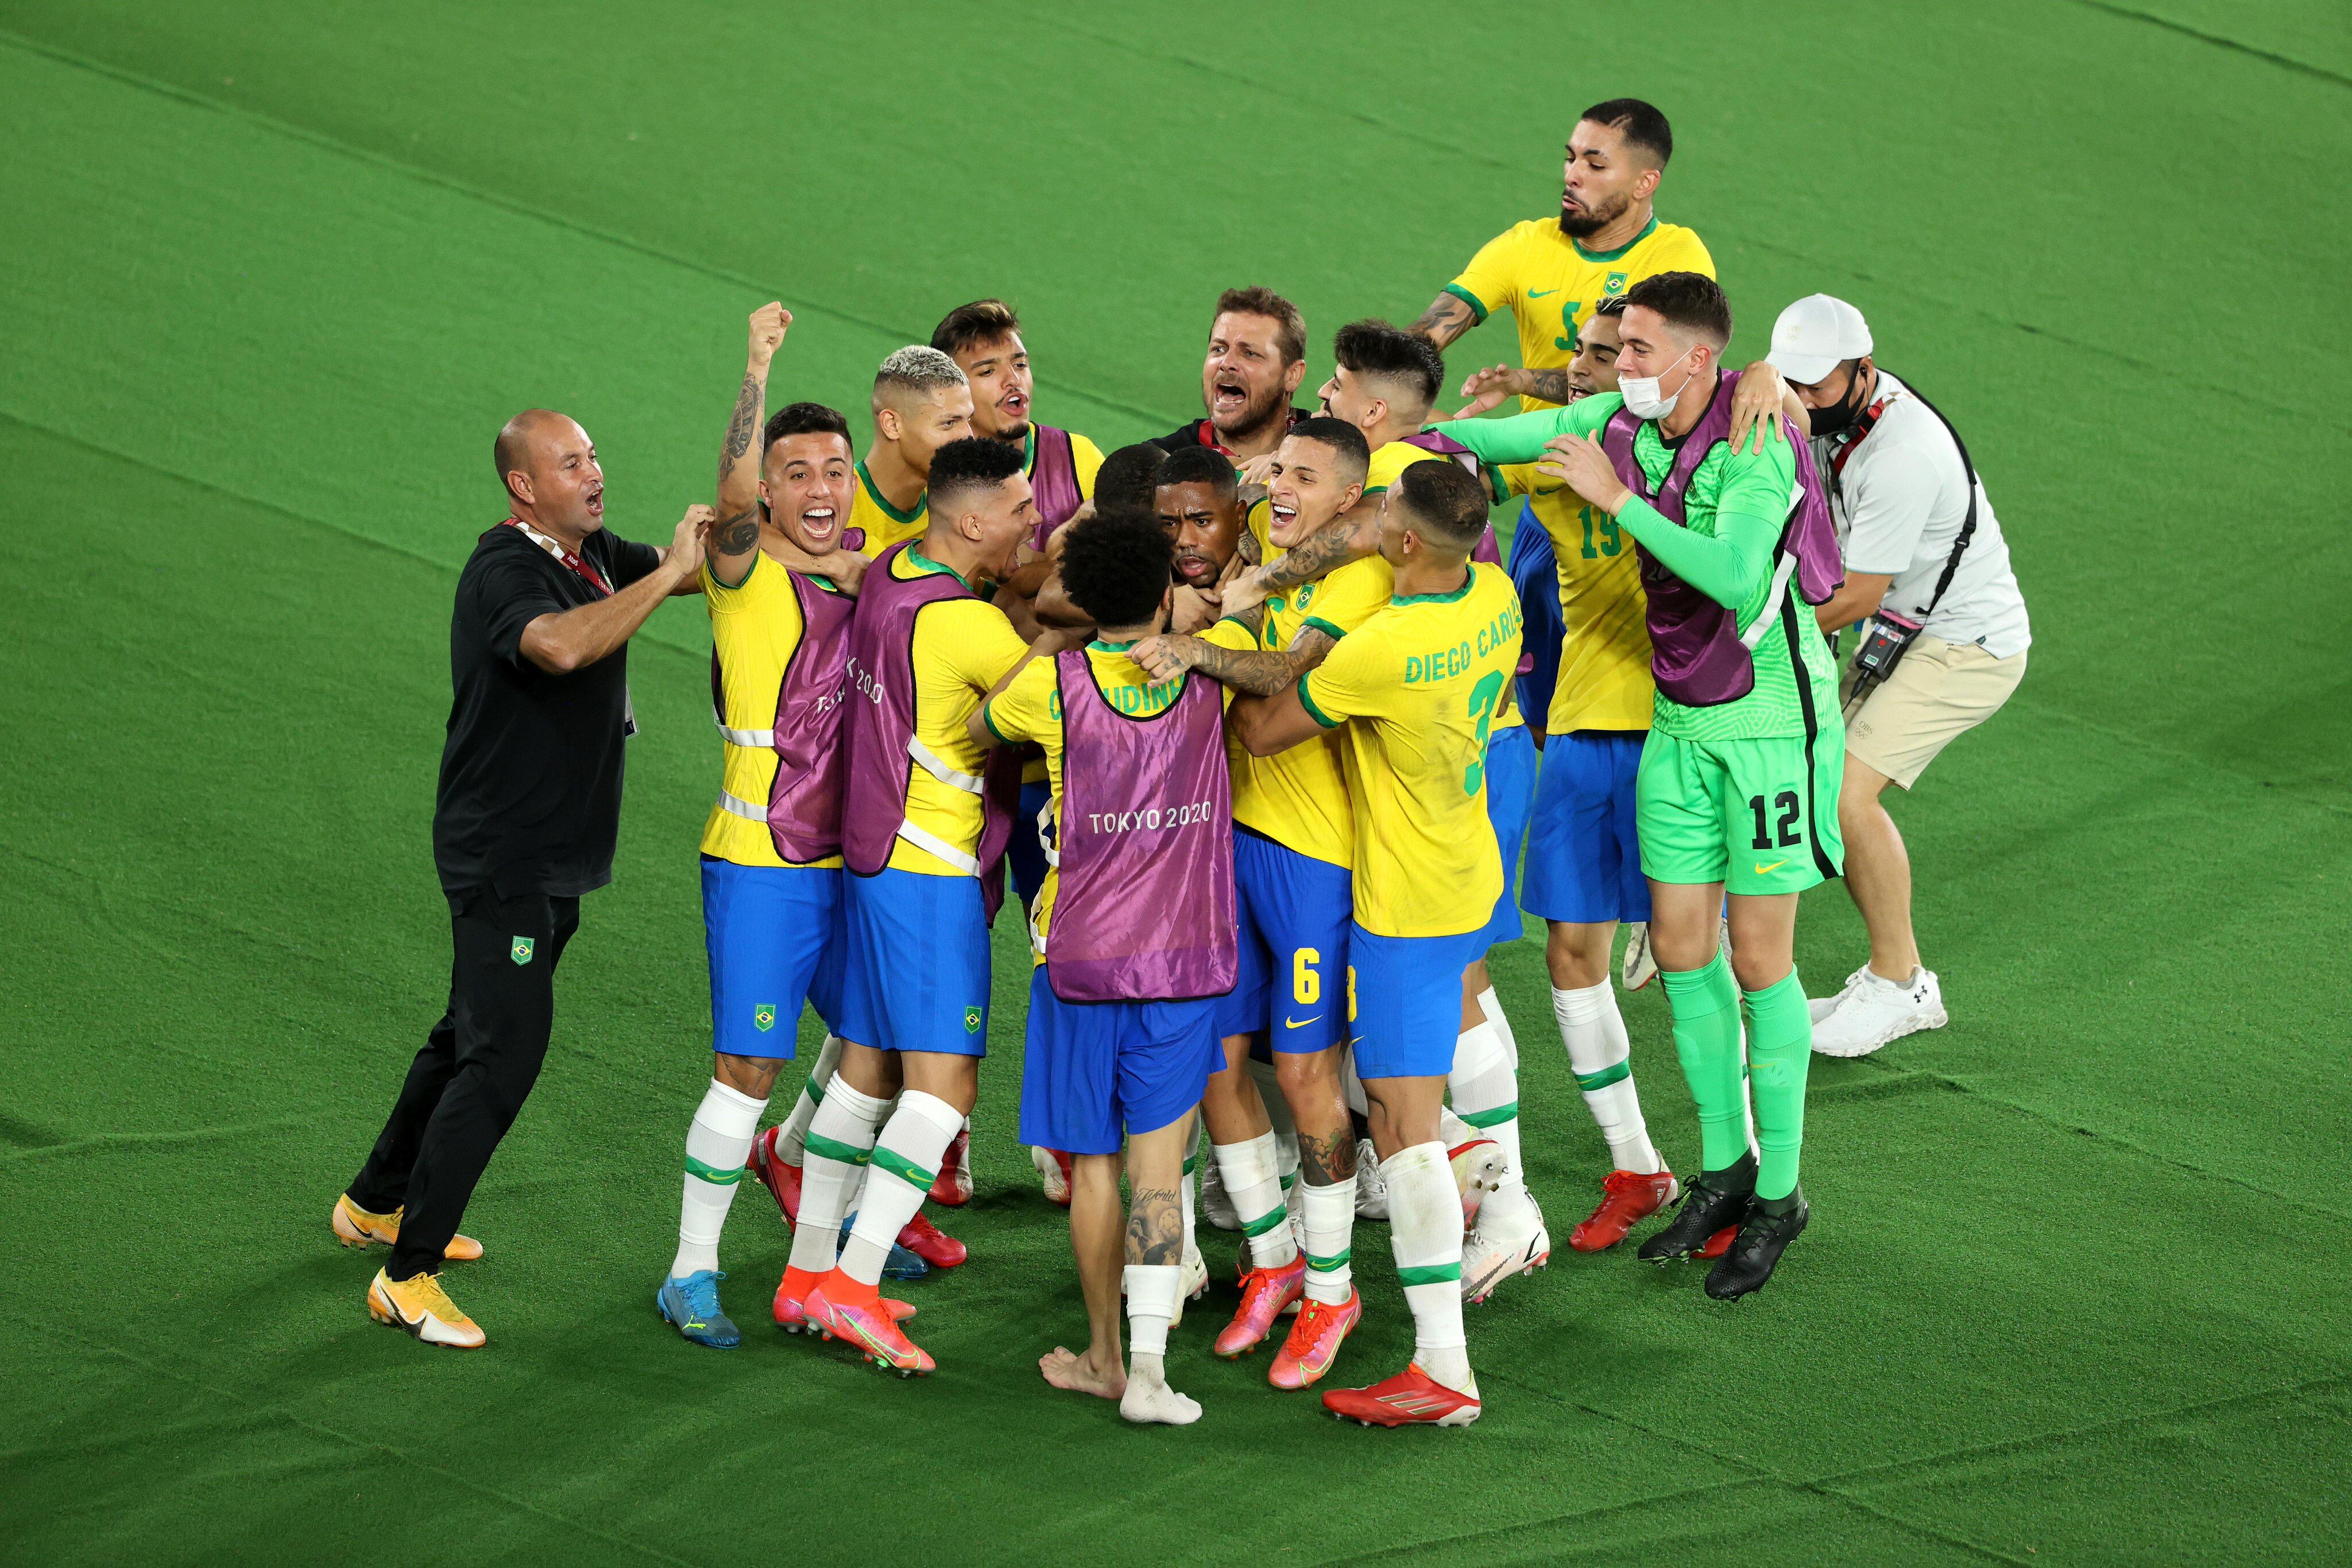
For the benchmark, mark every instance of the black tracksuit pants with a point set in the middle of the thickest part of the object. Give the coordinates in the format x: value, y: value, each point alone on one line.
x: 467, y: 1085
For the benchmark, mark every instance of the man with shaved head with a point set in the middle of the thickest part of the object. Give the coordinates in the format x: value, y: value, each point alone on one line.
x: 523, y: 824
x: 921, y: 402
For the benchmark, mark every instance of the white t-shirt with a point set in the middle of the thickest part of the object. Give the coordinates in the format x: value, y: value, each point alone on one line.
x: 1898, y: 506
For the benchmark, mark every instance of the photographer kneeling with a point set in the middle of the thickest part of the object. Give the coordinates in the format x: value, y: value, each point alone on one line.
x: 1943, y: 634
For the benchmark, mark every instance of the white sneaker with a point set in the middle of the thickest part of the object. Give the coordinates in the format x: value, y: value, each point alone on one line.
x: 1638, y: 969
x: 1821, y: 1007
x: 1489, y: 1255
x: 1215, y: 1207
x: 1371, y: 1192
x: 1872, y: 1011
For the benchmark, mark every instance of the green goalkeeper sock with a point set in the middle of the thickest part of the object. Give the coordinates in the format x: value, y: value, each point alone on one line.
x: 1706, y: 1004
x: 1780, y: 1048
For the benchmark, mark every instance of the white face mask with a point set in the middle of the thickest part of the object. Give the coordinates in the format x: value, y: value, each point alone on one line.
x: 1640, y: 392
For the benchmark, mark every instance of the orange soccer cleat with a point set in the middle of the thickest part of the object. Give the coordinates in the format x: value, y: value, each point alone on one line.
x: 1313, y: 1341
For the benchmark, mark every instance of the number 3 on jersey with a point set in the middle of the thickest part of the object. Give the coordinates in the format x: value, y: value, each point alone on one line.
x: 1482, y: 708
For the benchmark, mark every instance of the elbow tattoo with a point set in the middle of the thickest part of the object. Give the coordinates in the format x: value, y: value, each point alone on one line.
x: 1446, y: 318
x: 736, y: 534
x: 1325, y: 550
x: 1549, y: 386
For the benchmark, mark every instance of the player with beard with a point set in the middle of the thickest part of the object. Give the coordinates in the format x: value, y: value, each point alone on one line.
x: 1256, y: 359
x: 771, y: 847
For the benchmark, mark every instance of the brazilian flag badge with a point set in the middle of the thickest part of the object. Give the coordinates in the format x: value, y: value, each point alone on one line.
x: 764, y: 1017
x: 971, y: 1020
x: 1616, y: 284
x: 521, y: 953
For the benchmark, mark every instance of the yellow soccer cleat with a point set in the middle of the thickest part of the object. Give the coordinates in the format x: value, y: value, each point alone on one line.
x: 422, y: 1308
x: 355, y: 1227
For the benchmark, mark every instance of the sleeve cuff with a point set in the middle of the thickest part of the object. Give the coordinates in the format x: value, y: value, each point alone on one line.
x: 988, y: 717
x: 1321, y: 625
x: 1478, y: 306
x: 1307, y: 702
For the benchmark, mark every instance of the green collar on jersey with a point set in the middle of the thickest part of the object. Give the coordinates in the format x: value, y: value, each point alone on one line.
x: 1468, y: 578
x: 1112, y: 647
x: 874, y: 492
x: 927, y: 564
x: 1647, y: 230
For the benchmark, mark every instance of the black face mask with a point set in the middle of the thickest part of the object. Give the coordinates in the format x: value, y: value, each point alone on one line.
x: 1838, y: 416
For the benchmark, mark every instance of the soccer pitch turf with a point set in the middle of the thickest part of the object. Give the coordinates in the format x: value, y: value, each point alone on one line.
x: 275, y: 273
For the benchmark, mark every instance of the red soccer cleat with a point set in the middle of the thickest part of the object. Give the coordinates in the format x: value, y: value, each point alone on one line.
x: 783, y: 1181
x: 931, y: 1244
x: 1264, y: 1292
x: 790, y: 1305
x: 1411, y: 1398
x: 1720, y: 1242
x: 952, y: 1186
x: 1629, y: 1199
x: 1313, y: 1341
x: 871, y: 1328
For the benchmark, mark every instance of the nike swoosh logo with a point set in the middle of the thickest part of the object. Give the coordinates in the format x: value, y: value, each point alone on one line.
x: 1289, y: 1022
x: 1539, y: 293
x: 1776, y: 865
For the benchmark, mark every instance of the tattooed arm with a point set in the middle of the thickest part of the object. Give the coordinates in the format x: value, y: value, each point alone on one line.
x: 736, y: 534
x: 1255, y: 672
x: 1447, y: 317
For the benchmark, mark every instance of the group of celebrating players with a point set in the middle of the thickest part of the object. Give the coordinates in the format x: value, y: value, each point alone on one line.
x: 1245, y: 710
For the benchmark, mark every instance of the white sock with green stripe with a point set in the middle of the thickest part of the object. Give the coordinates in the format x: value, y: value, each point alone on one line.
x: 1485, y: 1089
x: 907, y: 1155
x: 1426, y: 1234
x: 792, y: 1142
x: 1492, y: 1006
x: 1330, y: 1213
x: 1601, y: 1056
x: 717, y: 1144
x: 1248, y: 1169
x: 840, y: 1141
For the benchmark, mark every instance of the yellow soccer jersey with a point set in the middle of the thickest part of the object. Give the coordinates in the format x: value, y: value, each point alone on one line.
x: 1422, y: 680
x: 1550, y: 283
x: 755, y: 627
x: 883, y: 523
x: 962, y: 648
x: 1297, y: 798
x: 1392, y: 459
x: 1031, y: 709
x: 1604, y: 657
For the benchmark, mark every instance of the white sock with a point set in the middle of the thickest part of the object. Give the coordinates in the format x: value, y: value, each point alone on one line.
x: 717, y: 1143
x: 1426, y: 1234
x: 1256, y: 1193
x: 840, y: 1141
x: 905, y: 1162
x: 1330, y: 1213
x: 792, y: 1143
x: 1151, y: 1290
x: 1599, y: 1053
x: 1492, y: 1006
x: 1454, y: 1129
x: 1485, y: 1089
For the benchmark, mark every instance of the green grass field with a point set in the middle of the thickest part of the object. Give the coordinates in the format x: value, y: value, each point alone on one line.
x: 274, y: 274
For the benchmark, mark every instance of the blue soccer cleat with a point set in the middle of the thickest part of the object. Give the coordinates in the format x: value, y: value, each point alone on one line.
x: 692, y: 1303
x: 900, y: 1265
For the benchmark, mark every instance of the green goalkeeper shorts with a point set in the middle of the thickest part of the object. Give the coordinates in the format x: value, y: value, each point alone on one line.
x: 1759, y: 816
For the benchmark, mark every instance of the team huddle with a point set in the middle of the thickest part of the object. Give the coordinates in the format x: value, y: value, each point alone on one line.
x: 1252, y: 726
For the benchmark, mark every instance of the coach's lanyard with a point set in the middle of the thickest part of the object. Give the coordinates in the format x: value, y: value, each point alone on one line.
x: 555, y: 548
x: 1862, y: 427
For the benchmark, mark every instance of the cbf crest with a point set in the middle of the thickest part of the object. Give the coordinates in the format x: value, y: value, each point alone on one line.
x: 522, y: 950
x: 764, y: 1017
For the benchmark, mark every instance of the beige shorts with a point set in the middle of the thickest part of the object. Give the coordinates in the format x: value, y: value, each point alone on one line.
x: 1938, y: 691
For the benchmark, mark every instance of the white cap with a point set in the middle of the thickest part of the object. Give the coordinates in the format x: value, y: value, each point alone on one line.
x: 1813, y: 335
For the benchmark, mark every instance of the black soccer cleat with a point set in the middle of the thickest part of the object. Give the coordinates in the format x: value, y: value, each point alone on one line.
x: 1716, y: 1201
x: 1757, y: 1251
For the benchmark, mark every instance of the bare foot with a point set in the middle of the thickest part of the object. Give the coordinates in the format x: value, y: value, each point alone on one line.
x: 1065, y: 1369
x: 1152, y: 1401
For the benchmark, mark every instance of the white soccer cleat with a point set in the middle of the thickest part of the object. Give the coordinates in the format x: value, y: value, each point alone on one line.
x: 1215, y: 1207
x: 1490, y: 1258
x: 1638, y: 969
x: 1195, y: 1283
x: 1051, y: 1175
x: 1371, y: 1192
x: 1872, y: 1011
